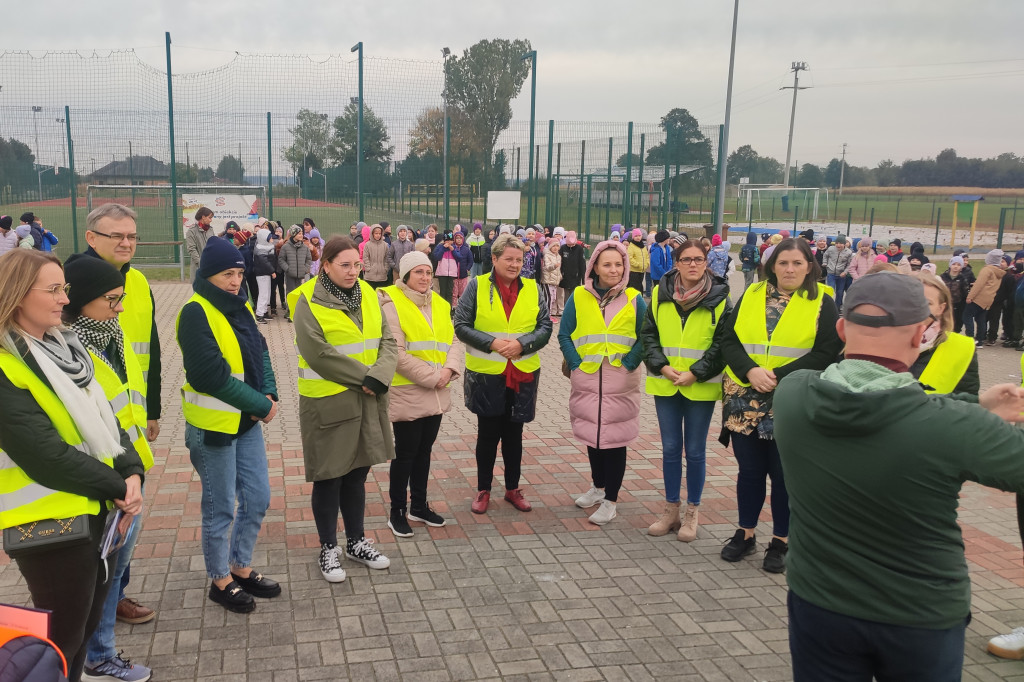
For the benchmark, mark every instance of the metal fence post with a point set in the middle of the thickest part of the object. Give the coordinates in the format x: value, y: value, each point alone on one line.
x: 871, y: 225
x: 938, y: 218
x: 579, y: 210
x: 1002, y: 225
x: 849, y: 219
x: 447, y: 174
x: 174, y: 169
x: 897, y: 220
x: 590, y: 179
x: 557, y: 210
x: 640, y: 183
x: 547, y: 180
x: 796, y: 215
x: 608, y: 189
x: 358, y: 47
x: 71, y: 179
x: 270, y: 173
x: 627, y: 184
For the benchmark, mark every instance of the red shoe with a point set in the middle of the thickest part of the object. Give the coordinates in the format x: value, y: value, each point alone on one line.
x: 516, y: 499
x: 480, y: 502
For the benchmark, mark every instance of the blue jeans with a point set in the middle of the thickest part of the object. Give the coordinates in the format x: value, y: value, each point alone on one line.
x: 236, y: 471
x: 673, y: 411
x: 759, y: 459
x: 975, y: 314
x: 839, y: 284
x: 102, y: 645
x: 826, y: 645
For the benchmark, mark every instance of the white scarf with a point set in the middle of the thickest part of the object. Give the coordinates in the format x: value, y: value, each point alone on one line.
x: 88, y: 406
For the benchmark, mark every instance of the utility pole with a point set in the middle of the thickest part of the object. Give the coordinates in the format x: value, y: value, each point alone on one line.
x: 724, y: 142
x: 842, y: 168
x: 445, y: 52
x: 796, y: 68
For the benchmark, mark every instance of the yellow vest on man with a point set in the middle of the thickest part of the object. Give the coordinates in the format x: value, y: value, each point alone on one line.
x: 22, y: 500
x: 684, y: 346
x: 127, y: 400
x: 948, y: 364
x: 202, y: 410
x: 428, y: 342
x: 793, y: 336
x: 491, y: 319
x: 594, y: 340
x: 342, y: 333
x: 137, y: 320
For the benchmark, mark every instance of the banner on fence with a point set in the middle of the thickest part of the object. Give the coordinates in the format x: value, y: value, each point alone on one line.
x: 503, y: 205
x: 225, y: 207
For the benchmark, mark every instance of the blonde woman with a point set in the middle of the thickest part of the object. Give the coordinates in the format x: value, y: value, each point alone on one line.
x: 948, y: 362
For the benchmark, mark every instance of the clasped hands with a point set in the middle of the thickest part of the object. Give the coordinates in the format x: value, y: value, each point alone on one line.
x: 509, y: 349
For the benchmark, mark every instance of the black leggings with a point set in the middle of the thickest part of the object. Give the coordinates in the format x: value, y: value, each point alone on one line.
x: 446, y: 287
x: 347, y: 493
x: 491, y: 430
x: 608, y: 466
x: 411, y: 466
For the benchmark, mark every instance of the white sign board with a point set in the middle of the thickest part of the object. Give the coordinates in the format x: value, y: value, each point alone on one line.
x: 503, y: 206
x: 238, y: 207
x: 744, y: 181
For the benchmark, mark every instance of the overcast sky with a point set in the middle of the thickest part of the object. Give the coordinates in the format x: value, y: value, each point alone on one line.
x: 893, y: 78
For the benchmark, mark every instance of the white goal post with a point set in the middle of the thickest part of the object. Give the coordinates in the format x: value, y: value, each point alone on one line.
x: 759, y: 200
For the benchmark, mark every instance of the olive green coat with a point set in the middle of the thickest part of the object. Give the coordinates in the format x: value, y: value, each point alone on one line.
x: 351, y: 429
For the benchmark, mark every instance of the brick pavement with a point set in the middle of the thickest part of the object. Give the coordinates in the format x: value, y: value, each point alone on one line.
x: 537, y: 596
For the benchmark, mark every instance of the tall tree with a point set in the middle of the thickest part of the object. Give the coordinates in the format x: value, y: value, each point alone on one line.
x: 426, y: 137
x: 887, y: 174
x: 634, y: 160
x: 230, y: 169
x: 810, y: 176
x: 684, y: 144
x: 341, y: 147
x: 310, y: 137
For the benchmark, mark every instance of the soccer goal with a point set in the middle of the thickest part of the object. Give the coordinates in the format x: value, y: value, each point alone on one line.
x: 766, y: 203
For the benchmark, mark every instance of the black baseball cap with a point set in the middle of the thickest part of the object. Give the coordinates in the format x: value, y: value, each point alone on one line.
x: 900, y: 296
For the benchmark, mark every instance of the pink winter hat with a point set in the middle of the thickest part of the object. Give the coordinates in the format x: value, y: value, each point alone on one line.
x: 637, y: 234
x: 784, y: 233
x: 716, y: 240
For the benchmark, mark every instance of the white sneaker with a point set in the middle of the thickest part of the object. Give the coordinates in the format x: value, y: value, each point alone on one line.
x: 1008, y: 646
x: 604, y: 514
x: 364, y: 552
x: 590, y: 498
x: 330, y: 566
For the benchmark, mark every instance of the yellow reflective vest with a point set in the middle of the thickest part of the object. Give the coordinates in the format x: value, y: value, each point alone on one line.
x: 137, y: 320
x: 22, y: 500
x: 127, y: 400
x: 202, y: 410
x: 793, y: 336
x: 684, y: 346
x: 593, y: 339
x: 948, y: 364
x: 428, y: 342
x: 342, y: 333
x: 490, y: 319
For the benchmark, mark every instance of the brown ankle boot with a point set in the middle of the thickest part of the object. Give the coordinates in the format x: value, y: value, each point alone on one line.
x: 688, y: 530
x: 668, y: 523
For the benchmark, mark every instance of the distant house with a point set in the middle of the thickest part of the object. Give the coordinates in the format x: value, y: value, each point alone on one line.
x: 139, y: 170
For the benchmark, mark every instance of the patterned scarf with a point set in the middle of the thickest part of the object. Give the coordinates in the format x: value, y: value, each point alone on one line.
x: 67, y: 353
x: 691, y: 298
x: 97, y: 337
x: 353, y: 298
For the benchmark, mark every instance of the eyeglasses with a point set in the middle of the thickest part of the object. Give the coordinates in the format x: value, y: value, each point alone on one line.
x: 347, y: 266
x: 114, y: 299
x: 55, y: 290
x: 698, y: 260
x: 117, y: 236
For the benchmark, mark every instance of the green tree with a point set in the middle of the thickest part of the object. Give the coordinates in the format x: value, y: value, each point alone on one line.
x: 811, y: 176
x: 230, y: 169
x: 427, y: 135
x: 742, y: 163
x: 634, y: 160
x: 684, y: 144
x: 887, y: 173
x: 310, y: 138
x: 187, y: 173
x: 832, y: 172
x: 341, y: 147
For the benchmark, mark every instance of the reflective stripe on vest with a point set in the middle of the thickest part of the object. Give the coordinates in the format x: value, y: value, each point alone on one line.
x: 491, y: 319
x: 22, y: 500
x: 343, y: 334
x: 201, y: 410
x: 427, y: 342
x: 130, y: 413
x: 593, y: 339
x: 948, y: 364
x: 137, y: 319
x: 683, y: 346
x: 792, y: 338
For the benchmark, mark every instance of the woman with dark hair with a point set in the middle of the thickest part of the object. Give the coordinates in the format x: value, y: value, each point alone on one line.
x: 778, y: 326
x: 347, y: 359
x: 307, y: 226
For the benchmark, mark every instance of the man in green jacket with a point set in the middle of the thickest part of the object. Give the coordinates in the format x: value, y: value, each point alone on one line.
x: 876, y: 569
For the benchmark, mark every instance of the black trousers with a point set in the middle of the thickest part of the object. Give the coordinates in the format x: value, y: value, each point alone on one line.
x: 491, y: 431
x: 347, y: 493
x: 411, y: 466
x: 253, y: 287
x: 636, y: 281
x: 69, y: 582
x: 446, y: 286
x: 608, y: 465
x: 277, y: 291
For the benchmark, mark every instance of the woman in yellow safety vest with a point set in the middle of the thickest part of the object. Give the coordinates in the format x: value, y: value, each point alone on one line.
x: 503, y: 320
x: 599, y: 337
x: 682, y: 338
x: 229, y: 389
x: 948, y: 362
x: 347, y: 359
x: 421, y: 322
x: 62, y: 452
x: 778, y: 326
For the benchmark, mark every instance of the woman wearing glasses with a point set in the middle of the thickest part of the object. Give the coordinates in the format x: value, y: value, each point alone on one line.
x: 63, y: 453
x: 347, y: 358
x: 682, y: 348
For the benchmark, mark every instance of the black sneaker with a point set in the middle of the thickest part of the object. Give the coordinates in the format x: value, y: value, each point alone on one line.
x: 398, y: 525
x: 261, y: 320
x: 258, y: 585
x: 775, y: 556
x: 233, y: 597
x: 737, y: 548
x: 426, y: 515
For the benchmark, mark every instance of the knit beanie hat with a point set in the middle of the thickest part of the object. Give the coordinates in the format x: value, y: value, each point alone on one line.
x: 956, y: 260
x: 412, y: 260
x: 28, y: 217
x: 559, y: 231
x: 678, y: 240
x: 294, y: 230
x: 90, y: 278
x: 959, y: 252
x: 993, y: 257
x: 776, y: 238
x: 785, y: 234
x: 808, y: 234
x: 662, y: 236
x: 716, y: 240
x: 6, y: 222
x: 23, y: 231
x: 841, y: 239
x: 314, y: 233
x: 218, y: 256
x: 637, y: 233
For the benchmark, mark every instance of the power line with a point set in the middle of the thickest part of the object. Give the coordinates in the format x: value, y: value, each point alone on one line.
x: 921, y: 66
x: 927, y: 79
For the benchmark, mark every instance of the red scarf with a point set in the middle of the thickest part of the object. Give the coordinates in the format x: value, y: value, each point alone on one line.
x: 509, y: 295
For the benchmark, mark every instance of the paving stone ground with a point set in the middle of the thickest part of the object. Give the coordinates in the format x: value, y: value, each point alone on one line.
x: 538, y: 596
